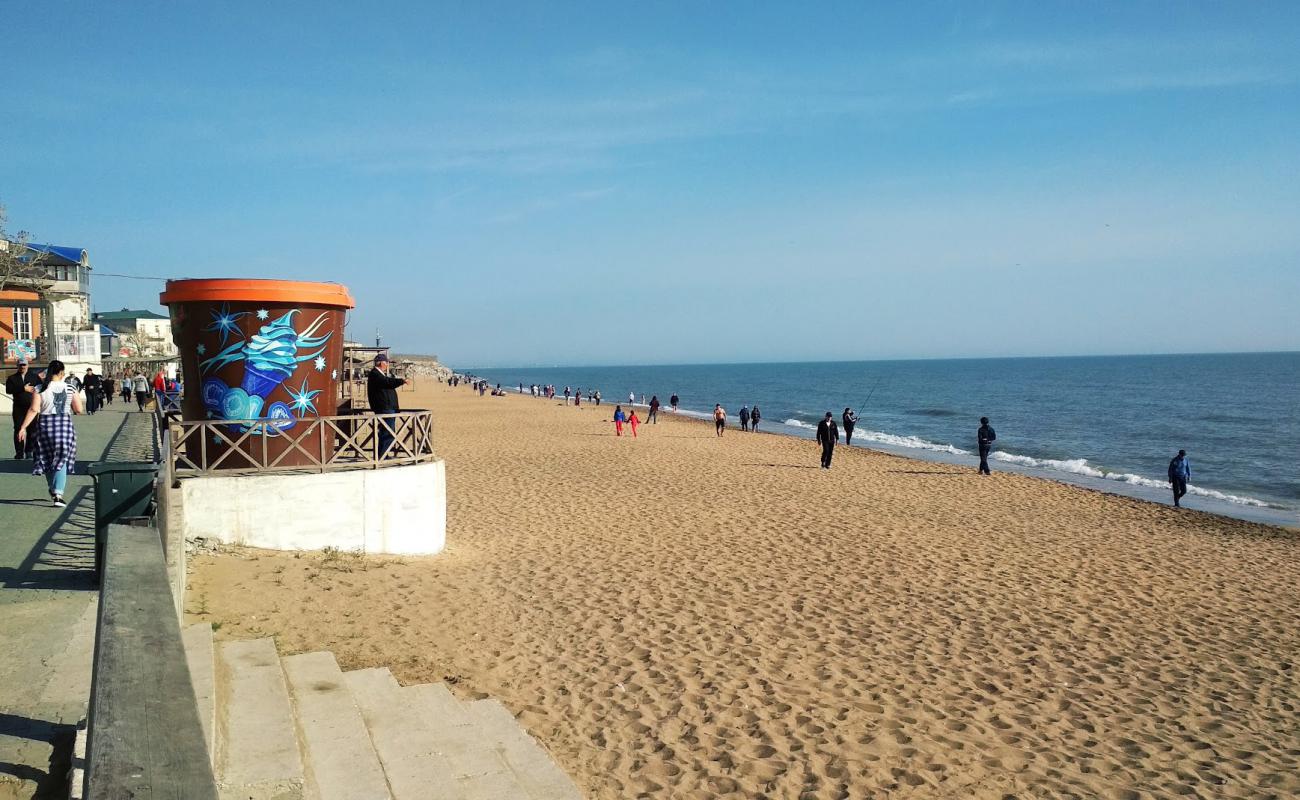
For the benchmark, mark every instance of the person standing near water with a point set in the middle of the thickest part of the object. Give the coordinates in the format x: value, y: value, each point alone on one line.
x: 1180, y: 472
x: 56, y: 437
x: 619, y: 418
x: 672, y: 403
x: 827, y: 434
x: 653, y: 416
x: 754, y: 417
x: 566, y: 395
x: 719, y: 418
x: 850, y: 420
x: 985, y: 437
x: 631, y: 399
x: 744, y: 418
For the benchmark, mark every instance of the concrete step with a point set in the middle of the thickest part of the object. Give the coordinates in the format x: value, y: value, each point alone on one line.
x: 478, y: 763
x: 199, y: 655
x: 413, y: 769
x: 532, y: 766
x: 341, y: 763
x: 257, y: 747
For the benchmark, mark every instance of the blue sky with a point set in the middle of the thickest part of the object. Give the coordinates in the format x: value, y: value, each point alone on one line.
x: 669, y: 183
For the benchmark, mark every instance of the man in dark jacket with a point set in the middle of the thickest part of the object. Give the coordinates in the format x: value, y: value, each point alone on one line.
x: 1180, y: 472
x: 985, y: 438
x: 18, y: 386
x: 93, y: 385
x: 381, y: 391
x: 828, y: 433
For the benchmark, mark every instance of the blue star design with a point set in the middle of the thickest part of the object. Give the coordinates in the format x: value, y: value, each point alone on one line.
x: 225, y: 322
x: 203, y: 348
x: 303, y: 401
x: 262, y: 313
x: 320, y: 364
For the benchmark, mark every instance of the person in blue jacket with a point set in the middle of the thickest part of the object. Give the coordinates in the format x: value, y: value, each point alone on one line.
x: 1180, y: 472
x: 619, y: 419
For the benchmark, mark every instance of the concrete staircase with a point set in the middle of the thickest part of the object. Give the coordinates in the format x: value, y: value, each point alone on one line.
x: 299, y: 728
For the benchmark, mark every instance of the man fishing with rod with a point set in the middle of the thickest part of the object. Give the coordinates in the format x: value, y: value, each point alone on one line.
x: 827, y: 432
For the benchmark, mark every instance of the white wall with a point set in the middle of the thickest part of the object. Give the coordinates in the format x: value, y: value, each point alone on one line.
x: 399, y: 510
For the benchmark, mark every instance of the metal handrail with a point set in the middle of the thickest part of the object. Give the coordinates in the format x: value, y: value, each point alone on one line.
x: 225, y: 446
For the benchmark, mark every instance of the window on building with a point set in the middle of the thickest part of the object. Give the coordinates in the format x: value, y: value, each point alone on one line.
x: 22, y: 323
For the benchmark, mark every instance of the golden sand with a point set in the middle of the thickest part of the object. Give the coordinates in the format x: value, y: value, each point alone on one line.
x: 682, y: 616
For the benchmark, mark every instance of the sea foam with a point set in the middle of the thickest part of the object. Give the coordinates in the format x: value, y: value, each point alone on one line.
x: 1073, y: 466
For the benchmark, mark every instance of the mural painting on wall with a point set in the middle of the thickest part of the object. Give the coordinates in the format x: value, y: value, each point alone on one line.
x: 270, y: 358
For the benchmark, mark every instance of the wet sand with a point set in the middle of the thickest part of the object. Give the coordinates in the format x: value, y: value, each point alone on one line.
x: 682, y: 616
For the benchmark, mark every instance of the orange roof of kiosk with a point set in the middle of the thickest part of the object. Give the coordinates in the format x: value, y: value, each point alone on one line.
x: 253, y: 290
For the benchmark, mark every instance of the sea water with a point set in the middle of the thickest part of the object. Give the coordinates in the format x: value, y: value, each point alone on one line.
x: 1104, y: 421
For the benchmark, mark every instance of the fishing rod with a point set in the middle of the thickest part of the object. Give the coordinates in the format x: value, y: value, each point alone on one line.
x: 874, y: 387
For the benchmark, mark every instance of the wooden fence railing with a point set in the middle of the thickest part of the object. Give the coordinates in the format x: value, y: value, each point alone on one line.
x: 312, y: 444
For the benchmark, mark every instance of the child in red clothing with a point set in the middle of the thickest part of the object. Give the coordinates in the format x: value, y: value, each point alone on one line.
x: 633, y: 421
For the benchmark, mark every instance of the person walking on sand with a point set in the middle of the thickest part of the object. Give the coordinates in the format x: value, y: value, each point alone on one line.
x: 1180, y: 472
x: 672, y: 403
x: 985, y: 437
x: 719, y: 418
x: 633, y: 421
x: 56, y: 437
x: 653, y: 416
x: 744, y: 418
x: 827, y: 435
x: 566, y: 395
x: 619, y: 418
x: 850, y: 420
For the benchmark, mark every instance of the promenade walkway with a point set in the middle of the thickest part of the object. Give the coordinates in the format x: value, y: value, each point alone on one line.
x: 48, y: 604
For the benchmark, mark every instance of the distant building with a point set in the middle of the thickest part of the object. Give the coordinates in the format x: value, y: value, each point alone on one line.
x: 110, y: 344
x: 48, y: 316
x: 140, y: 333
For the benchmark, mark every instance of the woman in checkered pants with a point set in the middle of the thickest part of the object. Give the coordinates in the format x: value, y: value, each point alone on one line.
x: 56, y: 438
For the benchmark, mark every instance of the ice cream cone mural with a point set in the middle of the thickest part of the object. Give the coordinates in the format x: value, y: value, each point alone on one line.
x: 266, y: 351
x: 270, y: 357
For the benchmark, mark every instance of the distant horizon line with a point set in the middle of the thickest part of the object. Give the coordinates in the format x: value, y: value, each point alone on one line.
x: 883, y: 360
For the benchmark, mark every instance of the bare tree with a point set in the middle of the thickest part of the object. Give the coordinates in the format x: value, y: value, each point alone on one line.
x: 20, y: 267
x: 141, y: 344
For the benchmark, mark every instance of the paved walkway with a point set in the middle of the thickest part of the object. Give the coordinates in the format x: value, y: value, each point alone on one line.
x: 48, y: 604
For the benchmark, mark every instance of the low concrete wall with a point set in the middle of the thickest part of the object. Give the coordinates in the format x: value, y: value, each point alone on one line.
x: 393, y: 510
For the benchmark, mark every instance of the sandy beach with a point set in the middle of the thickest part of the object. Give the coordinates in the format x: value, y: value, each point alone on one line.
x: 681, y: 615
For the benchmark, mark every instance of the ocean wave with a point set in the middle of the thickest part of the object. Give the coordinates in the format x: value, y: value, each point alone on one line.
x: 880, y: 437
x: 936, y: 412
x: 1080, y: 466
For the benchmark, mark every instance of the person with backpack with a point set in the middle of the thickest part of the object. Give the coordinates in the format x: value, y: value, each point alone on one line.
x: 985, y: 437
x: 1180, y: 472
x: 744, y: 418
x: 56, y: 437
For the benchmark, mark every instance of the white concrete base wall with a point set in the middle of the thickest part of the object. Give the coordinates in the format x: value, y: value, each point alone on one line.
x: 392, y: 510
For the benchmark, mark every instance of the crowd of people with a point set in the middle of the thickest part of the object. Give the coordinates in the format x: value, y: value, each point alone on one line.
x: 827, y: 435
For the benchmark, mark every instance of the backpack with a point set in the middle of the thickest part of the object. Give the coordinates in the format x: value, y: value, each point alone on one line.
x: 1173, y: 469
